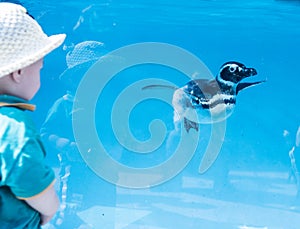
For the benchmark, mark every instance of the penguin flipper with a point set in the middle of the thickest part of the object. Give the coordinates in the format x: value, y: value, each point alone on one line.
x: 190, y: 125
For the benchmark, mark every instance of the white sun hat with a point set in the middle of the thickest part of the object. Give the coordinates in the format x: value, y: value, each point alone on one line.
x: 22, y: 40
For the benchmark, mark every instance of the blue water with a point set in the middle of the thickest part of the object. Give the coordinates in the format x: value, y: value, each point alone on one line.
x: 253, y: 184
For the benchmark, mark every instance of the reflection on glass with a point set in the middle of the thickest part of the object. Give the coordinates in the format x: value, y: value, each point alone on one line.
x: 79, y: 187
x: 295, y: 158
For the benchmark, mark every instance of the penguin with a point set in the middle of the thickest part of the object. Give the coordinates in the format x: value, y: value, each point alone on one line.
x: 204, y: 101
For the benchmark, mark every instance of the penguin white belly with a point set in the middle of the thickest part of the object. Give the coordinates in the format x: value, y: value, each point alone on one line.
x: 184, y: 109
x: 208, y: 116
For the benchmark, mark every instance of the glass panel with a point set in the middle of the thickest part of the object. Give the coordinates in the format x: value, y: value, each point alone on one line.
x: 134, y: 145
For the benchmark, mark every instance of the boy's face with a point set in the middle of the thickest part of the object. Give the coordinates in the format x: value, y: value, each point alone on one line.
x: 31, y: 79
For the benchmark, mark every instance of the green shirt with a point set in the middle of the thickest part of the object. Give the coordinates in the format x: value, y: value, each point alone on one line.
x: 23, y: 173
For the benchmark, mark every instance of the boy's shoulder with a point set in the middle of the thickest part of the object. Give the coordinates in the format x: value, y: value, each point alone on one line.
x: 13, y: 116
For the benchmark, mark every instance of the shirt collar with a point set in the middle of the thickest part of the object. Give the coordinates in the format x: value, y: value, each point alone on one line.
x: 13, y: 101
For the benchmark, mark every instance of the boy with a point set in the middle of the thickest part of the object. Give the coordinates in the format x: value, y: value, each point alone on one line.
x: 27, y: 195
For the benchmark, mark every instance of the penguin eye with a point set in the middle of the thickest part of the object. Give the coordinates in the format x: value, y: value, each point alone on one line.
x: 232, y: 69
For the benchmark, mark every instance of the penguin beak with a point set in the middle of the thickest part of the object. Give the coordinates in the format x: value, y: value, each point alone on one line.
x: 250, y: 72
x: 247, y: 73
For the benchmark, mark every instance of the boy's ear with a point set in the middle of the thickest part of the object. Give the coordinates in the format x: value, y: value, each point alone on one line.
x: 17, y: 76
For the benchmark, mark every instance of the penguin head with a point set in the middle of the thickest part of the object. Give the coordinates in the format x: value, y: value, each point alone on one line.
x: 234, y: 72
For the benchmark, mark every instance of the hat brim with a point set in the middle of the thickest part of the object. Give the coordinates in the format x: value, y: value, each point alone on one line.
x: 51, y: 43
